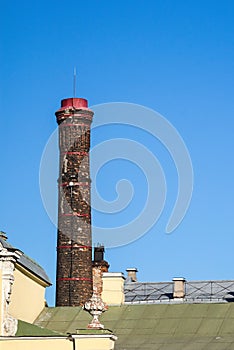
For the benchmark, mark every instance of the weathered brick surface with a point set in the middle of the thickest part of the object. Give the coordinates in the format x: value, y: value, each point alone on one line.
x: 74, y: 254
x: 98, y: 268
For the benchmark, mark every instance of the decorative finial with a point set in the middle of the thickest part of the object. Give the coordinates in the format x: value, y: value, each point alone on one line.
x: 95, y: 306
x: 3, y: 235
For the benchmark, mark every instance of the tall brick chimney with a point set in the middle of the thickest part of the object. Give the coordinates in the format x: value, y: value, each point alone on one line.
x: 74, y: 243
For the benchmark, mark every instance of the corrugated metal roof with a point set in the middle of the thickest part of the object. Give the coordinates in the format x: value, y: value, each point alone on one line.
x: 27, y: 262
x: 152, y: 327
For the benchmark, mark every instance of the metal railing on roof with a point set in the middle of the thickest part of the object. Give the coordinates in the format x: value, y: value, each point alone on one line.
x: 148, y: 291
x: 209, y: 290
x: 197, y: 291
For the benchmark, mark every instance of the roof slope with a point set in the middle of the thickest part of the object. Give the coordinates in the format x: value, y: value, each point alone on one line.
x: 27, y: 262
x: 26, y: 329
x: 156, y: 327
x: 33, y: 267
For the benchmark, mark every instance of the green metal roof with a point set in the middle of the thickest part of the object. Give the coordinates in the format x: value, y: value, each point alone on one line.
x: 146, y: 327
x: 27, y: 330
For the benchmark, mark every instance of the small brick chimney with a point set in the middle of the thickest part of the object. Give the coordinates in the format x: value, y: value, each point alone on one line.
x: 99, y: 266
x: 132, y: 271
x: 179, y: 287
x: 99, y: 259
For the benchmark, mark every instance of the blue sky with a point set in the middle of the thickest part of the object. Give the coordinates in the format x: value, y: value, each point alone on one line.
x: 174, y: 57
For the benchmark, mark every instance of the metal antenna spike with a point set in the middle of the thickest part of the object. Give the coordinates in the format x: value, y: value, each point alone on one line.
x: 74, y: 82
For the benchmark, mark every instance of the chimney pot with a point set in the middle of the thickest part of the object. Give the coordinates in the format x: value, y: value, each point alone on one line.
x: 74, y: 102
x: 99, y: 253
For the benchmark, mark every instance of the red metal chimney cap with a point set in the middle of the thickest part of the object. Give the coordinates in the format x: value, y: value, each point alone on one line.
x: 74, y: 102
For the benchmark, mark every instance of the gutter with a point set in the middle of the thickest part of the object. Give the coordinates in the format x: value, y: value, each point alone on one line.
x: 93, y: 336
x: 35, y: 337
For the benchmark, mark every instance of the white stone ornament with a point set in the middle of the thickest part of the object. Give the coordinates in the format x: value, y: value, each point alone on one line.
x: 95, y: 306
x: 8, y: 258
